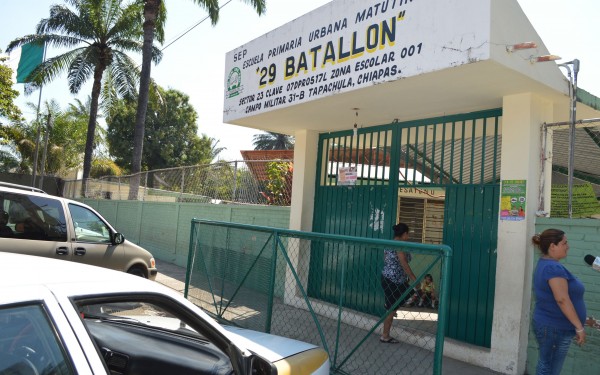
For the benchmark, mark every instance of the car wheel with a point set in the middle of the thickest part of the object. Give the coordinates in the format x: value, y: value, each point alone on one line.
x: 137, y: 271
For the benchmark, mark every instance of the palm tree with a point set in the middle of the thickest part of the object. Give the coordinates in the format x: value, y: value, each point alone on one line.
x: 98, y: 33
x: 66, y: 137
x: 154, y: 15
x: 272, y: 141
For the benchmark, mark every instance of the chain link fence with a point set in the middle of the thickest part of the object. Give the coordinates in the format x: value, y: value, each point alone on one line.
x: 320, y: 288
x: 243, y: 182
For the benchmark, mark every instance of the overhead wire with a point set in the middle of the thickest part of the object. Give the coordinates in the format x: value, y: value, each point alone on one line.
x: 191, y: 28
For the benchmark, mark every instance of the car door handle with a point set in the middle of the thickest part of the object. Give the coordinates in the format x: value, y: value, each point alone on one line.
x: 62, y: 250
x: 79, y: 251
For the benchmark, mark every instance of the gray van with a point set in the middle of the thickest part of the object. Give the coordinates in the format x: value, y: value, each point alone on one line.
x: 35, y: 223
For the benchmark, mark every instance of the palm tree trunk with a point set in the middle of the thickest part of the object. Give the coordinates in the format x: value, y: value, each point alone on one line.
x: 91, y: 130
x: 150, y: 14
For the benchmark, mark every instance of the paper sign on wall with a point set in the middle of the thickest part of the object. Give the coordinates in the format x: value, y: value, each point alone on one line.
x: 347, y: 176
x: 513, y: 200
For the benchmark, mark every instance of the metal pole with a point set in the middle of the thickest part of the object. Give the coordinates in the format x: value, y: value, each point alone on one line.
x: 37, y: 145
x: 37, y: 120
x: 182, y: 183
x: 543, y: 140
x: 234, y: 182
x: 573, y: 119
x: 572, y: 135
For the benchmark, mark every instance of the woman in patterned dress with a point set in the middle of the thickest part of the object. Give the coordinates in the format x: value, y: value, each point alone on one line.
x: 395, y: 278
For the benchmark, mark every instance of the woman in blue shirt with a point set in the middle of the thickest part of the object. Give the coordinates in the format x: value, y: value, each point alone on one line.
x: 560, y: 312
x: 395, y: 276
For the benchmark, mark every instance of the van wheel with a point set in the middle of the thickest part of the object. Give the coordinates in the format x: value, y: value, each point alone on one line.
x: 137, y: 271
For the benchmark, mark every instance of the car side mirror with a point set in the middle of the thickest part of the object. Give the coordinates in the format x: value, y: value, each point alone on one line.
x: 118, y: 238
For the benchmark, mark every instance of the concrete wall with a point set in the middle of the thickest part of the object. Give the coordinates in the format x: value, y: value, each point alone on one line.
x: 164, y: 228
x: 584, y: 238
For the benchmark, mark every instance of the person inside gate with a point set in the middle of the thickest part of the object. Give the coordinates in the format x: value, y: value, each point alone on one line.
x: 560, y: 313
x: 424, y: 297
x: 395, y: 278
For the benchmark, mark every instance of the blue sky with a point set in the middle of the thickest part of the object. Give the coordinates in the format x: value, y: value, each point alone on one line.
x: 195, y: 63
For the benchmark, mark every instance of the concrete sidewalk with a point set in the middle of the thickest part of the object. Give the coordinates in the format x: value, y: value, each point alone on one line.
x: 173, y: 276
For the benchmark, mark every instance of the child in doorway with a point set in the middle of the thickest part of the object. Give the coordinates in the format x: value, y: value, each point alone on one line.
x: 425, y: 295
x: 427, y: 292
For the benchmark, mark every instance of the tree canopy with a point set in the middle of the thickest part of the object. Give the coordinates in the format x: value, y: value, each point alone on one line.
x: 9, y: 113
x: 97, y: 35
x: 272, y: 141
x: 171, y: 133
x: 8, y: 109
x: 66, y: 138
x: 154, y: 19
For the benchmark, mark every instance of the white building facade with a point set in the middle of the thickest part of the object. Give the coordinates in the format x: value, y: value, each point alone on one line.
x: 361, y: 64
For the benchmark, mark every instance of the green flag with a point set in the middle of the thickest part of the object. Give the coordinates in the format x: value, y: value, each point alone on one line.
x: 31, y: 57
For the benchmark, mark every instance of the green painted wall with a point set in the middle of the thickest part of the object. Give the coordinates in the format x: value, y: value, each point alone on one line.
x: 164, y: 228
x: 584, y: 238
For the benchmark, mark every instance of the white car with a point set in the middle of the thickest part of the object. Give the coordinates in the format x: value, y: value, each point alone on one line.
x: 68, y: 318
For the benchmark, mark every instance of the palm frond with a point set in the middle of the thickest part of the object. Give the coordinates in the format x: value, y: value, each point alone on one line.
x: 135, y: 46
x: 64, y: 21
x: 125, y: 75
x: 212, y: 7
x: 81, y: 69
x: 259, y: 5
x: 52, y: 67
x: 161, y: 21
x: 130, y: 23
x: 109, y: 93
x: 18, y: 42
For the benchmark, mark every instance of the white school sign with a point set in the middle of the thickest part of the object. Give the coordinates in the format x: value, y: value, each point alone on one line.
x: 346, y: 45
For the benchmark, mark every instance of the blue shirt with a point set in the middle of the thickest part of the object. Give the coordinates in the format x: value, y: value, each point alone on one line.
x: 547, y: 311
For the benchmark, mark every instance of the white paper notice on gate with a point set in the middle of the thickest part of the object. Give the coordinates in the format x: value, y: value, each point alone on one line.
x: 347, y: 176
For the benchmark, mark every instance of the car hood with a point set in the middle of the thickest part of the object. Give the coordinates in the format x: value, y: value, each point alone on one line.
x: 271, y: 347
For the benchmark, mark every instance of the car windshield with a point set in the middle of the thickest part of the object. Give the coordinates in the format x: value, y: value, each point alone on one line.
x: 139, y: 313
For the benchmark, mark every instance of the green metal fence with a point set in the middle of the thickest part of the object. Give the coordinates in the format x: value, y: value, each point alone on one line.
x: 258, y: 277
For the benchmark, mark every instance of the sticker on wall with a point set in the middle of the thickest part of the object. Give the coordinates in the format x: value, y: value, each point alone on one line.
x: 513, y: 201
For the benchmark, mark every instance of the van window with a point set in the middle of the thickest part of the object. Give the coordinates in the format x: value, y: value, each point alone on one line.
x: 32, y: 217
x: 88, y: 226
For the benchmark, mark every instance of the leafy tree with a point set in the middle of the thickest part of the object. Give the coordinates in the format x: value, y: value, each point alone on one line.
x: 20, y: 140
x: 272, y: 141
x: 97, y: 34
x: 171, y: 133
x: 154, y: 16
x: 105, y: 167
x: 279, y: 183
x: 8, y: 109
x: 8, y: 162
x: 66, y: 138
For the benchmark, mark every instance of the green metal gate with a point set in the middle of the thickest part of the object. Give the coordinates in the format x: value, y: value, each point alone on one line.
x: 362, y: 209
x: 359, y: 176
x: 471, y: 225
